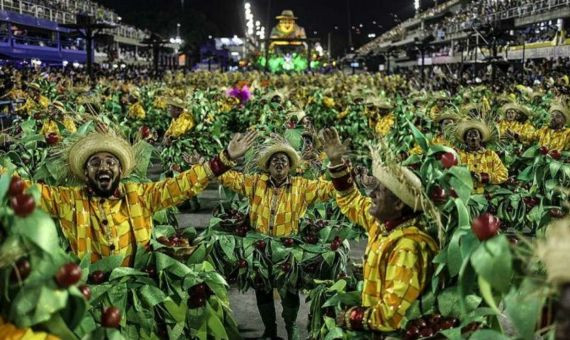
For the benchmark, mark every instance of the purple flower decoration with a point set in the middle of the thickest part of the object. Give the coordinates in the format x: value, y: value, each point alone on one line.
x: 243, y: 94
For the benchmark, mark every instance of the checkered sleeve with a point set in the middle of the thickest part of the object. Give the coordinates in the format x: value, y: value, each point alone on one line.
x: 318, y: 190
x: 173, y: 191
x: 355, y: 207
x: 238, y: 182
x: 52, y: 198
x: 402, y: 286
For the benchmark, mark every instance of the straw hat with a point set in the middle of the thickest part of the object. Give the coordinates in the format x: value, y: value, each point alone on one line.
x: 559, y: 106
x: 518, y: 108
x: 402, y: 182
x: 467, y: 124
x: 175, y: 101
x: 286, y: 14
x: 96, y: 142
x: 379, y: 102
x: 277, y: 147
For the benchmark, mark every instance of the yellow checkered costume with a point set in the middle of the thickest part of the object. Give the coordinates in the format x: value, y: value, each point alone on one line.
x: 524, y: 131
x: 554, y: 139
x: 113, y: 226
x: 485, y: 161
x: 396, y: 266
x: 181, y: 125
x: 277, y: 211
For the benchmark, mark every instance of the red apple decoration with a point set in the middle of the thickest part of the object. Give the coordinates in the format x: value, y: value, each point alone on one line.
x: 145, y: 131
x: 97, y: 277
x: 242, y: 263
x: 86, y: 291
x: 52, y: 138
x: 22, y: 270
x: 543, y: 150
x: 286, y: 267
x: 23, y: 204
x: 68, y: 274
x: 555, y: 154
x: 111, y: 317
x: 260, y: 245
x: 17, y: 186
x: 485, y: 226
x: 448, y: 160
x: 288, y: 242
x: 438, y: 195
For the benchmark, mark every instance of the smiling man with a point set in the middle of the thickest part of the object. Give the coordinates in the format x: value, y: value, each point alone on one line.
x: 277, y: 201
x: 107, y: 217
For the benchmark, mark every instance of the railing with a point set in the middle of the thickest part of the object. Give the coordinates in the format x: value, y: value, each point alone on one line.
x: 68, y: 16
x: 536, y: 7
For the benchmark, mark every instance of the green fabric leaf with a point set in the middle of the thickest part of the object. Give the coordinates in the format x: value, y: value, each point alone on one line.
x: 486, y: 334
x: 152, y: 295
x: 493, y: 261
x: 38, y: 228
x: 524, y: 306
x: 107, y: 264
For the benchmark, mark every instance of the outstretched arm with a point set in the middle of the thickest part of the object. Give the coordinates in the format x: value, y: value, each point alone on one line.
x: 174, y: 191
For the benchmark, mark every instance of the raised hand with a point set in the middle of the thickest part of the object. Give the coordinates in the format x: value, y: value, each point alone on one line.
x: 240, y: 143
x: 333, y: 146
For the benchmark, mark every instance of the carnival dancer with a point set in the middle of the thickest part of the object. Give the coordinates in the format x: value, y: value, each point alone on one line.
x: 380, y: 117
x: 182, y: 120
x: 104, y: 217
x: 471, y: 137
x: 556, y: 136
x: 277, y: 201
x: 515, y: 125
x: 399, y: 253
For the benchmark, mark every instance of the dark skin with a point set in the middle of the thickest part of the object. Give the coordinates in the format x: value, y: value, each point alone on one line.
x: 103, y: 173
x: 557, y: 120
x: 175, y: 111
x: 511, y: 115
x: 279, y: 166
x: 473, y: 140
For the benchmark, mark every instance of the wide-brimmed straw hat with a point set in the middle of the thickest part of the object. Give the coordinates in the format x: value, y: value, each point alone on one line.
x: 175, y: 101
x: 270, y: 150
x: 402, y: 182
x: 467, y: 124
x: 84, y: 148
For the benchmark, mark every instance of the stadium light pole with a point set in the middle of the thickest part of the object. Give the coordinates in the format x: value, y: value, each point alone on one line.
x: 87, y: 26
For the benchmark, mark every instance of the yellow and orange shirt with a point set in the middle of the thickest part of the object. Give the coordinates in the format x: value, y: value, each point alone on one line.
x: 524, y: 131
x: 554, y: 139
x: 273, y: 210
x: 113, y: 226
x: 396, y: 266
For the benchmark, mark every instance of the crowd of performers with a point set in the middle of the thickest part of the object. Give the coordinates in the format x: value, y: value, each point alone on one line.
x: 369, y: 146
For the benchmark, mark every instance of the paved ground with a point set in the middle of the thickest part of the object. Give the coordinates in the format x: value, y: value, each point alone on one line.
x: 243, y: 304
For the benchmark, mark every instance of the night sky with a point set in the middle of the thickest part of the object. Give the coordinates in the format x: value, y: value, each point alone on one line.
x: 225, y: 17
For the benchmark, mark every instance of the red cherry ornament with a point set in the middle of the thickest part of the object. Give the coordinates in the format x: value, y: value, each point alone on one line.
x: 52, y: 138
x: 68, y: 274
x: 23, y: 204
x: 448, y: 160
x: 485, y: 226
x: 17, y: 186
x: 111, y: 317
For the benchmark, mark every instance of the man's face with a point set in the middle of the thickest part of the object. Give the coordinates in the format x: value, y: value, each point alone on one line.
x: 473, y: 139
x: 103, y: 172
x: 511, y: 115
x: 175, y: 111
x: 286, y: 25
x: 385, y: 205
x: 557, y: 121
x: 279, y: 166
